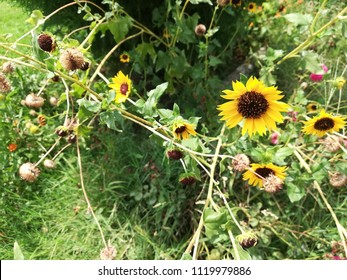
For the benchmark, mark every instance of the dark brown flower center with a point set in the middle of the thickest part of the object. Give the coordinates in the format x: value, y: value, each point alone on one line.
x: 251, y: 6
x: 264, y: 171
x: 180, y: 129
x: 124, y: 88
x: 324, y: 124
x: 235, y: 2
x: 252, y: 105
x: 124, y: 57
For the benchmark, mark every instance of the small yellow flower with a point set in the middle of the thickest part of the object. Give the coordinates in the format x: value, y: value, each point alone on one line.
x: 182, y: 129
x: 252, y: 7
x: 122, y: 85
x: 339, y: 82
x: 259, y: 172
x: 312, y: 107
x: 323, y: 123
x: 124, y: 58
x: 254, y: 103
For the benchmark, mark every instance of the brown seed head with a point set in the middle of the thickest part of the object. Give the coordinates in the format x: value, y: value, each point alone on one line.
x: 272, y: 183
x: 200, y: 30
x: 71, y: 59
x: 337, y: 179
x: 28, y: 172
x: 247, y: 240
x: 108, y: 253
x: 332, y: 143
x: 8, y: 67
x: 5, y: 85
x: 48, y: 163
x: 46, y: 43
x: 34, y: 101
x: 240, y: 162
x: 174, y: 154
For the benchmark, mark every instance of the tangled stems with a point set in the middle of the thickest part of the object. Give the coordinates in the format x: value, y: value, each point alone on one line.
x: 311, y: 38
x: 341, y: 230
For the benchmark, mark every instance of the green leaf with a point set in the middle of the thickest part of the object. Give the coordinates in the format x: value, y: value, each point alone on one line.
x: 282, y: 154
x: 119, y: 27
x: 36, y: 18
x: 243, y: 254
x: 299, y: 19
x: 83, y: 130
x: 91, y: 106
x: 77, y: 90
x: 186, y: 257
x: 210, y: 216
x: 312, y: 63
x: 145, y: 49
x: 17, y: 252
x: 295, y: 193
x: 110, y: 119
x: 214, y: 61
x: 153, y: 97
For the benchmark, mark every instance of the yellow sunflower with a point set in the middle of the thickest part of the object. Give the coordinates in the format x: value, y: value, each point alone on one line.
x: 125, y: 58
x: 122, y: 85
x: 323, y: 123
x: 252, y: 7
x: 254, y: 103
x: 182, y: 129
x: 261, y: 171
x: 312, y: 107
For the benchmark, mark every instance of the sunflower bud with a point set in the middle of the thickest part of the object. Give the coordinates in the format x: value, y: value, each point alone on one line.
x: 272, y: 183
x: 34, y: 101
x: 61, y: 131
x: 48, y: 163
x: 72, y: 138
x: 46, y: 43
x: 174, y: 154
x: 339, y: 82
x: 247, y: 240
x: 337, y: 179
x: 223, y: 3
x: 240, y: 162
x: 71, y: 59
x: 5, y: 85
x: 187, y: 179
x: 28, y: 172
x: 200, y: 29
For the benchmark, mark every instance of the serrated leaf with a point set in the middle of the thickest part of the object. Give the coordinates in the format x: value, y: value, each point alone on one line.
x: 17, y: 252
x: 119, y: 27
x: 91, y: 106
x: 295, y: 193
x: 110, y: 119
x: 282, y: 154
x: 312, y: 63
x: 153, y: 97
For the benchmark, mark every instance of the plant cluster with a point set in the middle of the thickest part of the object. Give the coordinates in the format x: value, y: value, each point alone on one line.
x: 249, y: 172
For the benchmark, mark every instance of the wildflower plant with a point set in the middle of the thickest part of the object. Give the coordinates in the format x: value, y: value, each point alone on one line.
x: 169, y: 96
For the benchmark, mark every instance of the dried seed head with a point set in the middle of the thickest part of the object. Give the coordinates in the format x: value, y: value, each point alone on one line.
x: 174, y: 154
x: 53, y: 101
x: 5, y: 85
x: 223, y: 3
x: 200, y: 30
x: 272, y: 183
x: 240, y: 162
x: 247, y: 240
x: 85, y: 66
x: 32, y: 112
x: 55, y: 78
x: 108, y: 253
x: 71, y: 59
x: 8, y: 67
x: 61, y: 131
x: 28, y: 172
x: 34, y: 101
x: 187, y: 179
x: 48, y: 163
x: 46, y: 43
x: 337, y: 179
x: 72, y: 138
x: 332, y: 143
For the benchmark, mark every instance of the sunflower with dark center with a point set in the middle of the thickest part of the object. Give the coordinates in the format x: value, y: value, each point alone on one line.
x: 254, y: 103
x: 323, y: 123
x: 122, y: 85
x: 124, y: 58
x: 252, y: 7
x: 259, y: 172
x: 182, y: 129
x: 312, y: 107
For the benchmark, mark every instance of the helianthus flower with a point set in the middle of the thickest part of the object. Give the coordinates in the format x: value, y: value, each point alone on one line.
x: 262, y: 171
x: 125, y: 58
x: 323, y: 123
x: 182, y: 129
x: 312, y: 107
x: 122, y: 85
x: 257, y: 104
x: 252, y: 7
